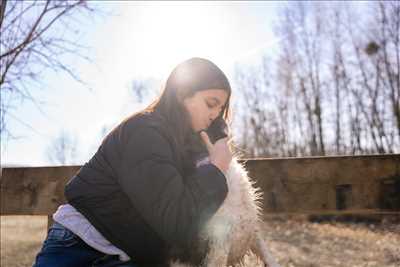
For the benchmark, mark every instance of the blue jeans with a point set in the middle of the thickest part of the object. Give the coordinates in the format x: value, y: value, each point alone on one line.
x: 62, y: 248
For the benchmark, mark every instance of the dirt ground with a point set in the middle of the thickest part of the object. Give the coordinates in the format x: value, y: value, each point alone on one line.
x: 295, y: 243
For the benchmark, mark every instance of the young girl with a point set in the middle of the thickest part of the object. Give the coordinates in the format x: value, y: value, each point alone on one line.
x: 141, y: 198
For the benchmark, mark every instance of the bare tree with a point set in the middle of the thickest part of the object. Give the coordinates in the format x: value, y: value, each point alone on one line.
x: 336, y: 88
x: 388, y: 35
x: 301, y: 32
x: 266, y: 117
x: 35, y: 37
x: 63, y: 149
x: 144, y: 90
x: 260, y: 133
x: 337, y: 39
x: 373, y: 81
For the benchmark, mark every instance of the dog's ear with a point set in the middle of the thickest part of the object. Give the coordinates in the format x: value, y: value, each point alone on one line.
x: 217, y: 130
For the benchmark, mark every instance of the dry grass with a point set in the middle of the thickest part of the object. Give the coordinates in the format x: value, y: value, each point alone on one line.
x: 21, y: 239
x: 294, y: 243
x: 305, y: 244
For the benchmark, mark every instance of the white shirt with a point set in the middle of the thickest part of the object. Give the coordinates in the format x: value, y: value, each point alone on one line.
x: 72, y: 219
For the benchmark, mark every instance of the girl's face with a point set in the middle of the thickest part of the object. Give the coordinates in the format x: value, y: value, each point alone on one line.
x: 204, y: 107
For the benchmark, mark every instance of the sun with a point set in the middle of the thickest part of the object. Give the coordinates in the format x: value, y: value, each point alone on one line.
x: 163, y: 34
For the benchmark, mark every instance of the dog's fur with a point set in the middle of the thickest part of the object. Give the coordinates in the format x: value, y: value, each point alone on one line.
x: 234, y: 230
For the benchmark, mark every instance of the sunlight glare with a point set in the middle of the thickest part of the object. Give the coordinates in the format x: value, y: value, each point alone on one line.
x: 171, y: 33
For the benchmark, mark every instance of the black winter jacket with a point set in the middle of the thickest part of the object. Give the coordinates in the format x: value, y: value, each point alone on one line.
x: 136, y: 191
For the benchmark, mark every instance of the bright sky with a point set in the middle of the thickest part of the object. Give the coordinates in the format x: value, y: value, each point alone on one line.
x: 141, y: 40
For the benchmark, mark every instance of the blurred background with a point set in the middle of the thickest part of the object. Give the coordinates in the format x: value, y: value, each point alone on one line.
x: 308, y: 78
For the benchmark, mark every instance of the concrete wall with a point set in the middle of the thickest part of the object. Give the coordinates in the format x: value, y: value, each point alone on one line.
x: 311, y: 184
x: 289, y: 185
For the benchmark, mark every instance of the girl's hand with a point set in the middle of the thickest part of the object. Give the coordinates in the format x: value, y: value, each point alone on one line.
x: 220, y: 154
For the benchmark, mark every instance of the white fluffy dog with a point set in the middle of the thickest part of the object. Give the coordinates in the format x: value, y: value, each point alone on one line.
x: 234, y: 230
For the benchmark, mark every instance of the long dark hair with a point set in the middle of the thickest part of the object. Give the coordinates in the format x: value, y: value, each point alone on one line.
x: 189, y: 77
